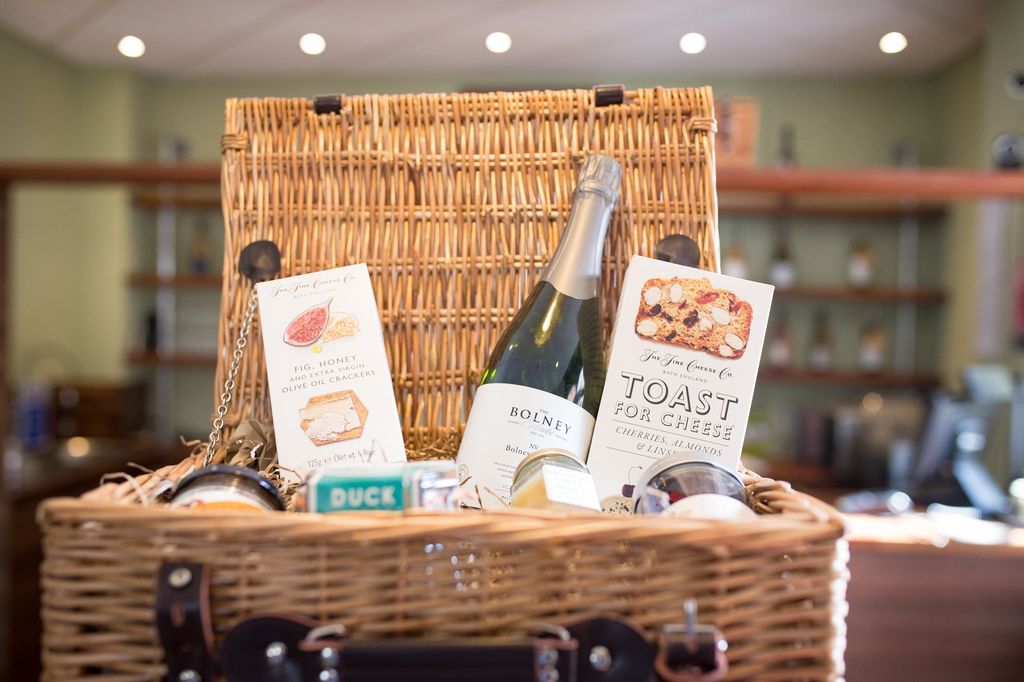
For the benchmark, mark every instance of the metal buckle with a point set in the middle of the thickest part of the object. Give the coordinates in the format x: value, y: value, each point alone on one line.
x: 329, y: 657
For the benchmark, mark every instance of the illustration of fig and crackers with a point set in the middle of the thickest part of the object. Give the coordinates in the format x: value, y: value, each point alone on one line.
x: 693, y: 314
x: 319, y: 324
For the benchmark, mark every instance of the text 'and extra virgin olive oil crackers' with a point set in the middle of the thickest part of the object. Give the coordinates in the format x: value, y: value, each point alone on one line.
x: 681, y: 372
x: 330, y: 384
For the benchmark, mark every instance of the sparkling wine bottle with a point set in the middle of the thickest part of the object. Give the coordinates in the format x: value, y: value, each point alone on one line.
x: 542, y: 384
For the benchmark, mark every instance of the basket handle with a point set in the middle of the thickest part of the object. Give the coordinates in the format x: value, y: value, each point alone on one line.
x: 280, y: 648
x: 283, y: 648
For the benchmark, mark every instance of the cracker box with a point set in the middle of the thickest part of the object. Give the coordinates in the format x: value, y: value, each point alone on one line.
x: 681, y: 372
x: 330, y: 385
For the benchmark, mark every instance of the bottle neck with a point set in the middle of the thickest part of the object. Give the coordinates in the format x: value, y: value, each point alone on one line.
x: 575, y: 269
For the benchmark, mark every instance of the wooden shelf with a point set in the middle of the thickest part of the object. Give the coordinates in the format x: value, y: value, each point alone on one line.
x: 139, y: 173
x: 942, y: 184
x: 850, y: 378
x: 191, y: 200
x: 181, y: 359
x: 151, y: 280
x: 732, y: 205
x: 883, y: 295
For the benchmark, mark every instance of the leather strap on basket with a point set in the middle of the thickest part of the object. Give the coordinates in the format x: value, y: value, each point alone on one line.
x: 289, y: 648
x: 279, y: 648
x: 183, y: 621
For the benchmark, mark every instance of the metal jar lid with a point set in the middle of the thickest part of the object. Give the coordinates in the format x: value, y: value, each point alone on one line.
x: 548, y: 455
x: 666, y: 464
x: 234, y: 477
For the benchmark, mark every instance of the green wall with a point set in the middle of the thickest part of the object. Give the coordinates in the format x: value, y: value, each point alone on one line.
x: 66, y: 242
x: 846, y: 122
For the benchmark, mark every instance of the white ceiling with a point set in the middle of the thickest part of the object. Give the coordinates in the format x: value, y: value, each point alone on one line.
x: 419, y: 38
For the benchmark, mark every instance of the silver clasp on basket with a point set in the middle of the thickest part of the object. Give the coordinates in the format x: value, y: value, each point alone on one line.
x: 691, y: 652
x: 546, y: 656
x: 328, y: 654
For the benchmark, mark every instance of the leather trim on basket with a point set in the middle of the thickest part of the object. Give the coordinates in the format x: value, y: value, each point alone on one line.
x: 273, y: 647
x: 183, y: 620
x: 606, y: 95
x: 328, y: 104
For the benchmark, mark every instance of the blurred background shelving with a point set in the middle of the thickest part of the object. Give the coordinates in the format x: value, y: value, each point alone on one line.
x: 96, y: 223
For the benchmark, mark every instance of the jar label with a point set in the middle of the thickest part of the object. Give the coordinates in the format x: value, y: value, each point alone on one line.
x: 567, y: 486
x: 507, y: 423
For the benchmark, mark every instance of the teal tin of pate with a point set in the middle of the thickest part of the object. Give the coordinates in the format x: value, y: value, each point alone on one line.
x: 430, y: 486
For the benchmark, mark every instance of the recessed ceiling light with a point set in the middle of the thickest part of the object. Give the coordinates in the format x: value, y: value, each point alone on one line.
x: 693, y: 43
x: 312, y: 43
x: 131, y: 46
x: 498, y: 42
x: 893, y: 42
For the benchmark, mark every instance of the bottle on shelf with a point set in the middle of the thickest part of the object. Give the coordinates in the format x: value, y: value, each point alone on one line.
x: 786, y: 156
x: 151, y: 334
x: 542, y: 385
x: 735, y: 262
x: 860, y: 268
x: 199, y: 249
x: 871, y: 353
x: 780, y: 344
x: 33, y: 416
x: 782, y: 271
x: 819, y: 355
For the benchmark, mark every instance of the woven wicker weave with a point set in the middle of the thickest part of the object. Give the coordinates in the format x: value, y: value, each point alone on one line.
x: 454, y: 202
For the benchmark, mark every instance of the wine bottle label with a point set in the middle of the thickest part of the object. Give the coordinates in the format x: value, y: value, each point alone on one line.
x: 780, y: 354
x: 734, y: 267
x: 783, y: 274
x: 821, y: 358
x: 860, y: 271
x: 507, y: 423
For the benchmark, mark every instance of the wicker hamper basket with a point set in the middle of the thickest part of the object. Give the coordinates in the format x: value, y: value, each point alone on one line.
x: 455, y: 202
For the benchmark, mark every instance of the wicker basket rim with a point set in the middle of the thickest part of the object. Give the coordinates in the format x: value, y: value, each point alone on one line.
x: 821, y: 521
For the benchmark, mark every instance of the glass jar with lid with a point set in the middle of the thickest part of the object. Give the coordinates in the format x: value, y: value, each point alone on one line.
x: 227, y: 488
x: 553, y: 479
x: 684, y: 485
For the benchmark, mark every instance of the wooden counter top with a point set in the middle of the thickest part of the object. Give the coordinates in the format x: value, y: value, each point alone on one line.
x: 923, y: 607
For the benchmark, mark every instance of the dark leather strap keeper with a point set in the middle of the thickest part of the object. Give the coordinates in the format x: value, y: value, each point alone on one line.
x: 605, y: 95
x: 183, y: 621
x: 328, y: 104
